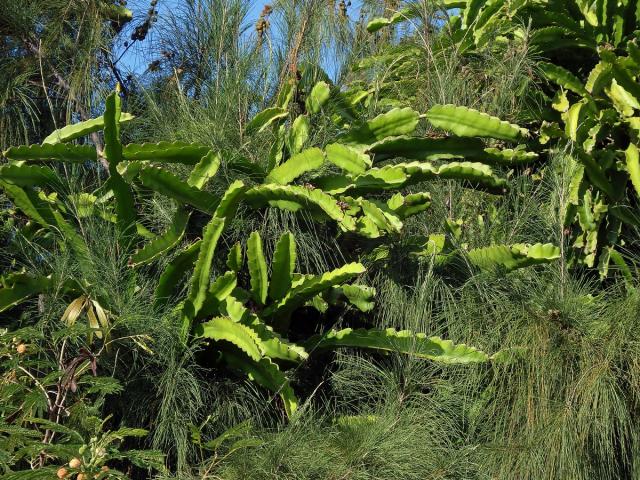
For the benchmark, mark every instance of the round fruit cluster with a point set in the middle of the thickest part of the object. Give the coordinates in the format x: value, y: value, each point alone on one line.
x: 76, y: 464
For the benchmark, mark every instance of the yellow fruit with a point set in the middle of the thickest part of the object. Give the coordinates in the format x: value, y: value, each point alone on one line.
x: 81, y: 476
x: 62, y: 472
x: 21, y: 348
x: 105, y: 468
x: 75, y: 463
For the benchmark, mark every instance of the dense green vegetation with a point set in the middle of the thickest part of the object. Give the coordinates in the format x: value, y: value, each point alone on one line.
x: 320, y: 244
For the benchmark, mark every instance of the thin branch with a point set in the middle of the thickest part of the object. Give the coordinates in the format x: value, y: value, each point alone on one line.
x: 39, y: 385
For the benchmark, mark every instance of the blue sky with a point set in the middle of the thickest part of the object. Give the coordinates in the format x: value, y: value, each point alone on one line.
x: 131, y: 61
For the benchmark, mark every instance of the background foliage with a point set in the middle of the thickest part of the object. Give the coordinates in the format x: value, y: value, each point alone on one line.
x: 317, y: 239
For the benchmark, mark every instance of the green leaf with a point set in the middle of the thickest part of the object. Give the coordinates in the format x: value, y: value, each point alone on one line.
x: 267, y: 374
x: 223, y: 328
x: 112, y: 145
x: 455, y: 3
x: 80, y: 129
x: 599, y: 77
x: 412, y: 204
x: 427, y: 148
x: 404, y: 341
x: 348, y: 158
x: 563, y: 77
x: 471, y: 11
x: 165, y: 183
x: 257, y: 268
x: 398, y: 121
x: 405, y: 174
x: 175, y: 271
x: 128, y: 170
x: 514, y: 256
x: 454, y: 227
x: 555, y: 38
x: 622, y: 99
x: 234, y: 259
x: 22, y: 287
x: 508, y: 156
x: 317, y: 97
x: 560, y: 102
x: 56, y: 427
x: 380, y: 214
x: 596, y: 174
x: 366, y: 227
x: 572, y: 119
x: 162, y: 243
x: 626, y: 81
x: 28, y: 201
x: 47, y: 152
x: 360, y: 296
x: 357, y: 96
x: 380, y: 22
x: 29, y: 176
x: 44, y: 473
x: 170, y: 152
x: 206, y: 168
x: 548, y: 131
x: 633, y: 166
x: 271, y: 344
x: 310, y: 287
x: 295, y: 198
x: 285, y: 94
x: 626, y: 214
x: 83, y: 204
x: 489, y: 21
x: 434, y: 247
x: 276, y: 152
x: 125, y: 204
x: 473, y: 172
x: 297, y: 165
x: 222, y: 286
x: 466, y: 122
x: 298, y: 134
x: 622, y: 266
x: 199, y: 284
x: 116, y: 13
x: 634, y: 51
x: 230, y: 200
x: 340, y: 107
x: 265, y: 118
x: 284, y: 262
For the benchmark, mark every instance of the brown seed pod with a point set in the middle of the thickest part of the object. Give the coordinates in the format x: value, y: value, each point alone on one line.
x: 263, y: 22
x: 343, y: 205
x: 21, y: 348
x: 342, y: 7
x: 62, y: 472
